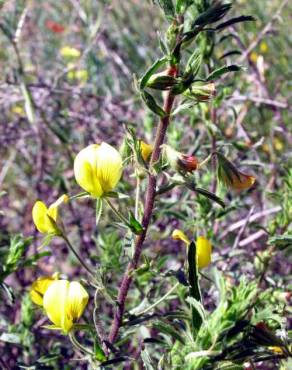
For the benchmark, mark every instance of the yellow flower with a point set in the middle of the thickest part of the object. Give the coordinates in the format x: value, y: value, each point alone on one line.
x: 45, y: 218
x: 98, y: 169
x: 146, y: 150
x: 229, y: 175
x: 276, y: 350
x: 203, y: 247
x: 69, y: 52
x: 18, y: 109
x: 180, y: 235
x: 39, y: 288
x: 264, y: 47
x: 204, y: 251
x: 80, y: 75
x: 241, y: 182
x: 253, y: 57
x: 64, y: 303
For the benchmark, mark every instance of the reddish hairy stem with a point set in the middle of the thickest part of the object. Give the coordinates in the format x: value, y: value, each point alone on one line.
x: 148, y: 208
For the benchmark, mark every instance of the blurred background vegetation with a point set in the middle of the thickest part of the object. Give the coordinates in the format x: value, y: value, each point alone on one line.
x: 67, y: 80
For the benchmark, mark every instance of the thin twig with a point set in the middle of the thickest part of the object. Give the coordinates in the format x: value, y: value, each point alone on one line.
x: 149, y: 308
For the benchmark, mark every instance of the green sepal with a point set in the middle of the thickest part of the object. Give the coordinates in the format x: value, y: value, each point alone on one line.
x: 134, y: 224
x: 194, y: 284
x: 145, y: 78
x: 152, y: 105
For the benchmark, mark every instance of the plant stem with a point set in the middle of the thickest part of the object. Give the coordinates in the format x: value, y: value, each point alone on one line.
x: 148, y: 209
x: 149, y: 308
x: 78, y: 345
x: 116, y: 212
x: 72, y: 249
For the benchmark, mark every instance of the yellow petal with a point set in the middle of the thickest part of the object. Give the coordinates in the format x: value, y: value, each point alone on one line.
x: 204, y: 250
x: 55, y: 304
x: 53, y: 209
x: 109, y: 166
x: 70, y: 52
x: 39, y: 288
x: 40, y: 218
x: 77, y: 300
x: 85, y: 170
x: 180, y: 235
x: 242, y: 181
x: 146, y: 150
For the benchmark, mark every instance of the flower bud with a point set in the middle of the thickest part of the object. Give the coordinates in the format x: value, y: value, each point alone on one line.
x: 161, y: 81
x: 98, y: 169
x: 45, y: 219
x: 180, y: 162
x: 202, y: 92
x: 180, y: 235
x: 146, y: 150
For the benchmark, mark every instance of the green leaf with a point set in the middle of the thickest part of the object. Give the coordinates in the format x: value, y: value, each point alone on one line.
x: 99, y: 354
x: 151, y: 71
x: 167, y: 7
x: 194, y: 62
x: 28, y: 103
x: 221, y: 71
x: 194, y: 284
x: 152, y: 105
x: 281, y: 241
x: 134, y: 224
x: 210, y: 195
x: 169, y: 330
x: 242, y: 18
x: 146, y: 358
x: 10, y: 338
x: 197, y: 305
x: 213, y: 14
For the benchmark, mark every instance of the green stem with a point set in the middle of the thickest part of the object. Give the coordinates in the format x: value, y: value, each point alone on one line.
x: 72, y: 249
x: 116, y: 212
x: 78, y: 345
x: 149, y: 308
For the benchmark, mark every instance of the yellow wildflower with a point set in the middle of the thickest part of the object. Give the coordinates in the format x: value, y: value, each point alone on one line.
x: 264, y: 47
x: 204, y: 251
x: 64, y: 303
x: 69, y: 52
x: 45, y: 218
x: 39, y: 288
x: 180, y: 235
x: 203, y: 247
x: 98, y: 168
x: 253, y: 57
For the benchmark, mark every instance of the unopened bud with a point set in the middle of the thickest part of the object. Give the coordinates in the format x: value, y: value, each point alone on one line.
x: 201, y: 92
x: 180, y: 162
x: 161, y: 81
x: 146, y: 150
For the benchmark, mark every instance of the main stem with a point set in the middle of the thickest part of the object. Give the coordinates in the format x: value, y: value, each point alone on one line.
x: 148, y: 209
